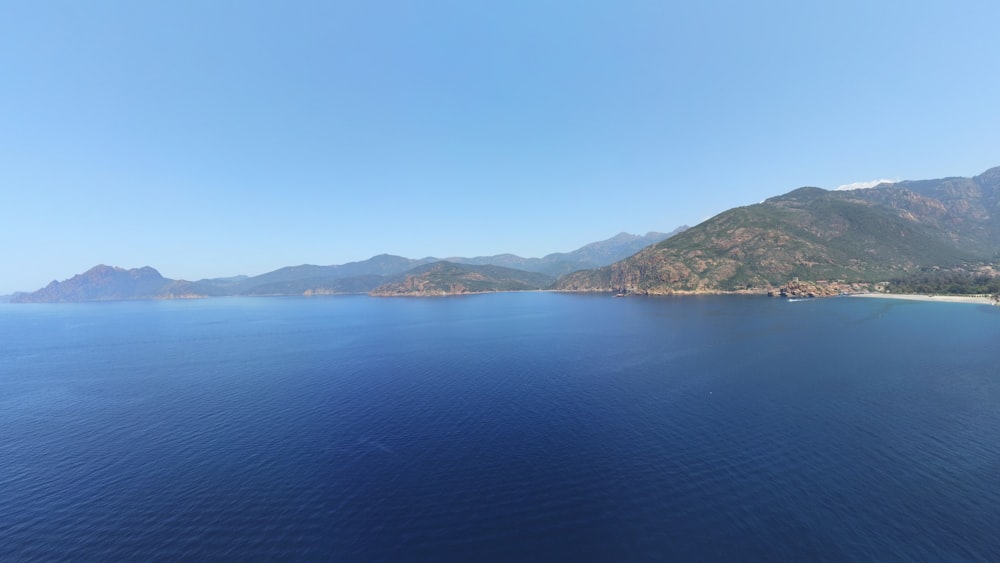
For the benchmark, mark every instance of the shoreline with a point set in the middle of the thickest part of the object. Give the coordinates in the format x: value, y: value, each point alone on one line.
x: 932, y: 298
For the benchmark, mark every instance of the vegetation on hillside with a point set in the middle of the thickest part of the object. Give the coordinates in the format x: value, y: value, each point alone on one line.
x: 446, y: 278
x: 954, y: 281
x: 814, y: 234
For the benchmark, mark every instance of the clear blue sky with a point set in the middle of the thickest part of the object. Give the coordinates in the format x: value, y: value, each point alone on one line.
x: 219, y: 138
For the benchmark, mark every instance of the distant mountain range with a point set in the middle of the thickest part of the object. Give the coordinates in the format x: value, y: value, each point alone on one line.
x: 807, y: 241
x: 864, y: 235
x: 485, y: 273
x: 593, y: 255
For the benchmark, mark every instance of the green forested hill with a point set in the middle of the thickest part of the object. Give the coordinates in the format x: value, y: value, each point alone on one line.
x: 446, y: 278
x: 815, y: 234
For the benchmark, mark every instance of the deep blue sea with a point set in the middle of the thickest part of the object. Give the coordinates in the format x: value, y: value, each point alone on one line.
x: 507, y: 427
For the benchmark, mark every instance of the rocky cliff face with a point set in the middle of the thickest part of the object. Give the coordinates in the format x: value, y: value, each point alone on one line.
x: 966, y: 210
x: 822, y: 288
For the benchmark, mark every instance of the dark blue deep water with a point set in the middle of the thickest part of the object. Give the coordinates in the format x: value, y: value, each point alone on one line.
x: 500, y: 427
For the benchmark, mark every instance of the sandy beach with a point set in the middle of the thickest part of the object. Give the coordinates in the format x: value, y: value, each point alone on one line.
x: 917, y: 297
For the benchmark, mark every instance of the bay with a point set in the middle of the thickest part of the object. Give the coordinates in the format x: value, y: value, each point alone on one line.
x: 533, y: 426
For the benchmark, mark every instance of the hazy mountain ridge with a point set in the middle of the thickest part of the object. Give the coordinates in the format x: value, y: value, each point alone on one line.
x: 351, y: 277
x: 815, y: 234
x: 380, y: 265
x: 593, y: 255
x: 106, y: 283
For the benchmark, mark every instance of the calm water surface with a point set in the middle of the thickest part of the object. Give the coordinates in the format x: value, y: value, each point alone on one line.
x: 500, y: 427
